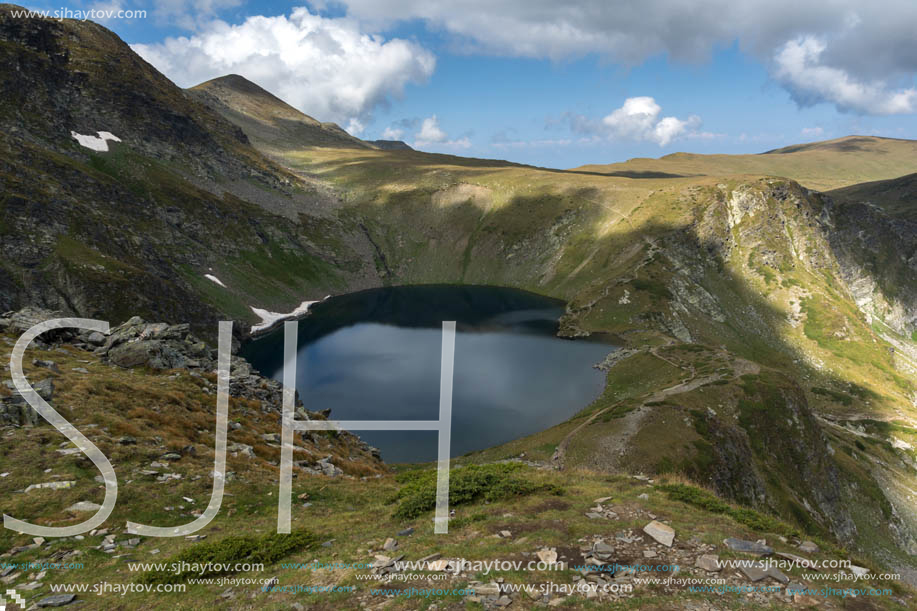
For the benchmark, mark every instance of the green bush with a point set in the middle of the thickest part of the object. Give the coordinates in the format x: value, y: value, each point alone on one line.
x: 708, y: 502
x: 466, y: 484
x: 220, y: 556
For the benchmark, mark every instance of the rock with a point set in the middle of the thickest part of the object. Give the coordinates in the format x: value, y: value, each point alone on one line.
x: 171, y: 456
x: 643, y: 497
x: 80, y: 370
x: 754, y: 572
x: 662, y: 533
x: 708, y: 562
x: 95, y: 338
x: 47, y: 365
x: 798, y: 560
x: 808, y: 547
x: 594, y: 516
x: 127, y: 440
x: 241, y: 448
x: 547, y: 556
x: 390, y: 545
x: 28, y: 317
x: 51, y: 485
x: 648, y: 553
x: 16, y: 410
x: 602, y: 549
x: 503, y: 601
x: 431, y: 557
x: 506, y: 534
x: 85, y: 506
x: 487, y: 589
x: 775, y: 573
x: 758, y: 571
x: 406, y: 532
x: 859, y: 571
x: 58, y: 600
x: 748, y: 547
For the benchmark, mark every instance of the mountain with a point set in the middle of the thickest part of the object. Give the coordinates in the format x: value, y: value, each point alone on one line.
x: 391, y: 145
x: 270, y: 123
x: 767, y: 323
x: 133, y: 225
x: 831, y: 164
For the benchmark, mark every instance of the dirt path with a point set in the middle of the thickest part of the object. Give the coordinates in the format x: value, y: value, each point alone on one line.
x: 631, y: 421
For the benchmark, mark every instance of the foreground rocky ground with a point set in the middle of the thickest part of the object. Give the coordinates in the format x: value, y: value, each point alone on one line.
x: 145, y: 395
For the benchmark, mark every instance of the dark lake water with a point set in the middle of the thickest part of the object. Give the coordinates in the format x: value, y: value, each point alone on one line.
x: 375, y: 355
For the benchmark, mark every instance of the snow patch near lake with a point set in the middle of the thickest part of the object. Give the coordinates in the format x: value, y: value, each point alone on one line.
x: 97, y: 143
x: 214, y: 279
x: 269, y: 319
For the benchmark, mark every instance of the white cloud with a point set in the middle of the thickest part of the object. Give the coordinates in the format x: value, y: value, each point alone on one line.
x: 431, y: 135
x: 326, y: 67
x: 392, y: 133
x: 638, y: 119
x: 355, y: 127
x: 813, y: 132
x: 865, y: 46
x: 799, y: 67
x: 430, y: 132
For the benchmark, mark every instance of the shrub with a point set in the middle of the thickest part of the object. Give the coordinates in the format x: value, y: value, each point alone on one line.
x: 466, y: 484
x: 708, y: 502
x: 219, y: 557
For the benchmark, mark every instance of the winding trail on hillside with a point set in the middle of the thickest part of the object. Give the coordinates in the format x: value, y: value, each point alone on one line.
x: 613, y: 444
x: 631, y: 421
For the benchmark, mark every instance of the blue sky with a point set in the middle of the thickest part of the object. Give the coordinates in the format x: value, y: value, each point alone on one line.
x: 555, y: 84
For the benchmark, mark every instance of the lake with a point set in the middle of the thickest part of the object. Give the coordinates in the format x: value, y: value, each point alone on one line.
x: 375, y: 355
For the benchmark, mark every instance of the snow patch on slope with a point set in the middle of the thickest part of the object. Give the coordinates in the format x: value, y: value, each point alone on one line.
x: 269, y: 319
x: 97, y: 143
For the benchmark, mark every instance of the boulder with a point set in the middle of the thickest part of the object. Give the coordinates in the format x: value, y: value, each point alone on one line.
x: 708, y: 562
x: 662, y: 533
x: 748, y: 547
x: 84, y: 506
x: 808, y: 547
x: 58, y: 600
x: 15, y: 410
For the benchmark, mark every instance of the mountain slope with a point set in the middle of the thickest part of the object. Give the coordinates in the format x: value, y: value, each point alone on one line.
x: 819, y: 165
x: 133, y: 226
x: 272, y: 124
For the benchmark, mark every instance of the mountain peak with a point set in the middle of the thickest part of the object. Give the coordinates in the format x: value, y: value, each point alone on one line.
x: 267, y: 120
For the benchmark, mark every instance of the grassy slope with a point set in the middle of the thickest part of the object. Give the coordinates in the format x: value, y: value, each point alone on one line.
x: 823, y: 165
x: 357, y: 515
x: 632, y: 255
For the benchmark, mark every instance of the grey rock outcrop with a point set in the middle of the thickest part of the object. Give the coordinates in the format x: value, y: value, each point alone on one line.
x: 15, y: 410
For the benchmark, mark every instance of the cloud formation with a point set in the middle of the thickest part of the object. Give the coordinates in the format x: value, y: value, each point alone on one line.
x: 431, y: 134
x: 328, y: 68
x: 870, y: 49
x: 638, y: 119
x: 799, y: 67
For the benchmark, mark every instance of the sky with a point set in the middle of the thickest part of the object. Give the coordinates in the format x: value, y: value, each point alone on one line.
x: 556, y: 84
